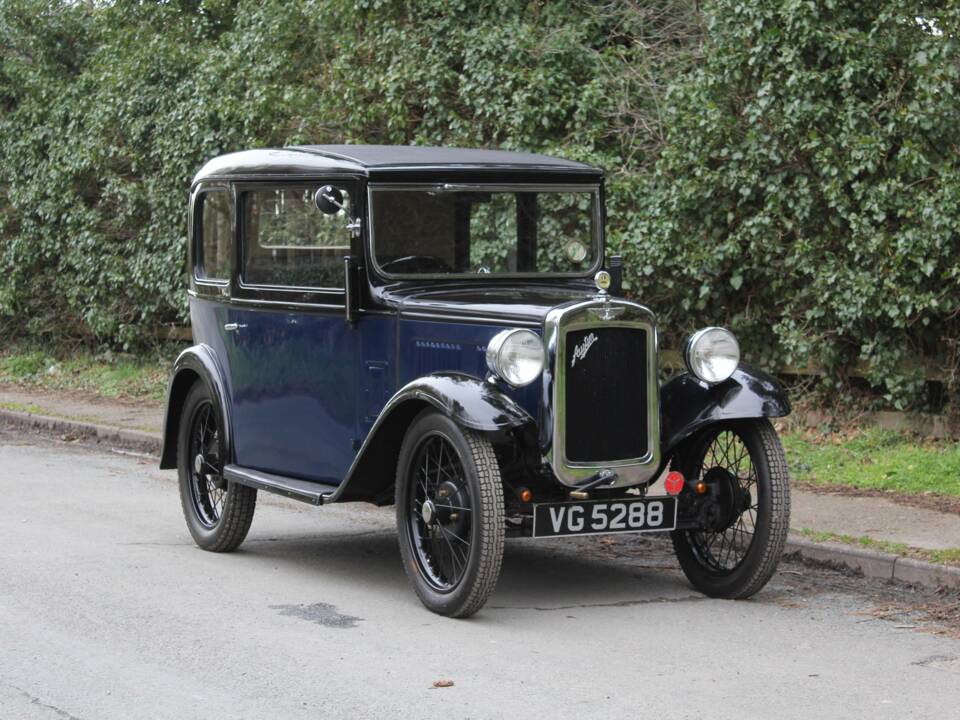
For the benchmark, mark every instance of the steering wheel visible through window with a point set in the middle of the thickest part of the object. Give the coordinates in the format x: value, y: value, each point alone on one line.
x: 417, y: 264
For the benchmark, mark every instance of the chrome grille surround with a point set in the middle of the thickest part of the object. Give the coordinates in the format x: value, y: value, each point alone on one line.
x: 601, y: 312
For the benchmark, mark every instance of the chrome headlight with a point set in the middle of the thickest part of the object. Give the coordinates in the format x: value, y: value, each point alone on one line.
x: 712, y: 354
x: 517, y: 356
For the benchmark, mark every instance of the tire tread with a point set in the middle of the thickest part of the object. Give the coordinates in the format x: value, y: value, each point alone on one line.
x: 779, y: 510
x: 238, y: 513
x: 492, y: 522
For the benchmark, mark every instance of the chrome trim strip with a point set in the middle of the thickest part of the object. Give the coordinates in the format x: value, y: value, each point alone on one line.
x: 302, y: 289
x: 281, y: 303
x: 502, y: 320
x: 287, y: 304
x: 491, y: 186
x: 574, y: 316
x: 348, y: 309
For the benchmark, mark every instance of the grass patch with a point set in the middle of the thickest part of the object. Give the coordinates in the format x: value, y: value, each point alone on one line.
x: 942, y: 557
x: 20, y: 407
x: 875, y: 459
x: 47, y: 412
x: 108, y: 374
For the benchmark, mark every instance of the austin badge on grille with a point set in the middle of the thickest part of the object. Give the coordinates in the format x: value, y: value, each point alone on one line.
x: 580, y: 351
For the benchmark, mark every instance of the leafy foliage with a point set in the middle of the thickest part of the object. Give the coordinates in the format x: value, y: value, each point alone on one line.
x: 787, y: 168
x: 809, y: 185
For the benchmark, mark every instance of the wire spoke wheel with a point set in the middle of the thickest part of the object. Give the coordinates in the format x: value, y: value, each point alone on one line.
x: 207, y: 486
x: 440, y: 512
x: 744, y: 517
x: 450, y: 514
x: 729, y: 470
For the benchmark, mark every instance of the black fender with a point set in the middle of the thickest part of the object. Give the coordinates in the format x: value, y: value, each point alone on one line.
x: 465, y: 399
x: 195, y: 363
x: 687, y: 404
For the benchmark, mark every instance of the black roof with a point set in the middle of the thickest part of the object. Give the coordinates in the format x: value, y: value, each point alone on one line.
x: 385, y: 162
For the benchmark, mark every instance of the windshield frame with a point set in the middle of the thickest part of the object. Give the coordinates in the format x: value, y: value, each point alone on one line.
x: 597, y: 226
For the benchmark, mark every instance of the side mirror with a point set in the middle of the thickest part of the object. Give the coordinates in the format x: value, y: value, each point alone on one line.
x: 329, y: 200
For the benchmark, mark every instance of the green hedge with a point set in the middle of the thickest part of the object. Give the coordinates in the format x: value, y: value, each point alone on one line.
x: 809, y: 188
x: 787, y: 168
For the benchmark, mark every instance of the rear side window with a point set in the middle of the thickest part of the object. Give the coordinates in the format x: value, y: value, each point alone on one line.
x: 213, y: 248
x: 289, y: 242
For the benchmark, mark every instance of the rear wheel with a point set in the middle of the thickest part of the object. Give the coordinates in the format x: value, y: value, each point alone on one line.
x: 745, y: 525
x: 450, y: 515
x: 218, y: 512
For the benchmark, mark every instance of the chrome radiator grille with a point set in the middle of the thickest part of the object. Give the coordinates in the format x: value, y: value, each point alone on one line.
x: 606, y: 394
x: 601, y: 398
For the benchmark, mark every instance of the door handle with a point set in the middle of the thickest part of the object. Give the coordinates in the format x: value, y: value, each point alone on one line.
x: 233, y: 327
x: 354, y: 228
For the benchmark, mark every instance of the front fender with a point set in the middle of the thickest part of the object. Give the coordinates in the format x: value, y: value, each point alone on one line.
x: 688, y: 404
x: 467, y: 400
x: 195, y: 363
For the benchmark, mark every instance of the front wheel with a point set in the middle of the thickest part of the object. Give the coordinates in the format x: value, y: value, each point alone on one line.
x: 450, y: 514
x: 745, y: 513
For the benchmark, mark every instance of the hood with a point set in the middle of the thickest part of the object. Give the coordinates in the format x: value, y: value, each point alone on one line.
x: 526, y: 303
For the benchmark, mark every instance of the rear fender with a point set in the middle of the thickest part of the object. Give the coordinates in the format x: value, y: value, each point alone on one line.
x: 468, y: 401
x: 688, y: 404
x: 195, y: 363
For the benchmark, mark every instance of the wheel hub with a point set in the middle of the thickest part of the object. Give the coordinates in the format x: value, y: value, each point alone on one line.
x: 729, y: 498
x: 450, y: 498
x: 428, y: 511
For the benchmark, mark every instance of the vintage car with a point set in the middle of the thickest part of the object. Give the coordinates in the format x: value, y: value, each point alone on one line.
x: 434, y: 328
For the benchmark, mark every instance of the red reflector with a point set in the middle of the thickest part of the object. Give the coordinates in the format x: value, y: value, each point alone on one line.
x: 673, y: 483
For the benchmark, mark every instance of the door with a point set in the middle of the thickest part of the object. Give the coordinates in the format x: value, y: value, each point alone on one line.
x: 292, y: 354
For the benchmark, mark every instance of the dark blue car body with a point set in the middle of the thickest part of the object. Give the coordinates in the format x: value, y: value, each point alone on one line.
x: 317, y: 386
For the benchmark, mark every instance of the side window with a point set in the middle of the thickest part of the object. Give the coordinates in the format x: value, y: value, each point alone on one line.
x: 215, y: 240
x: 289, y: 242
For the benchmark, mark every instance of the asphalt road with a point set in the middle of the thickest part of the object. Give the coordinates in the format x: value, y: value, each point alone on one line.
x: 108, y: 610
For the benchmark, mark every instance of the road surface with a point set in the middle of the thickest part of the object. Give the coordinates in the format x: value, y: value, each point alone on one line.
x: 108, y: 610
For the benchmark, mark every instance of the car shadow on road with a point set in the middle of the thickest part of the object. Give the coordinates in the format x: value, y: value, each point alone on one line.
x: 536, y: 575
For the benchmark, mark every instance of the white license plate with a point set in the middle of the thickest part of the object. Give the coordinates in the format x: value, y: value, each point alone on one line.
x: 599, y: 517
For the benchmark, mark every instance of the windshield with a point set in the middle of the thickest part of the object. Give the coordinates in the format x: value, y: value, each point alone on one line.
x: 485, y: 229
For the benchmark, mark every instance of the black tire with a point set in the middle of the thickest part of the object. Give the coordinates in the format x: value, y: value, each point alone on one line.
x: 737, y: 561
x: 218, y: 513
x: 450, y: 514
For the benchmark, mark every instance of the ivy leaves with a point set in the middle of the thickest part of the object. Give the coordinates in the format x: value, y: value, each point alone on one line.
x: 786, y: 168
x: 814, y: 152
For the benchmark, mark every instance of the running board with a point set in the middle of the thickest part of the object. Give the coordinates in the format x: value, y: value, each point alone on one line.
x: 303, y: 490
